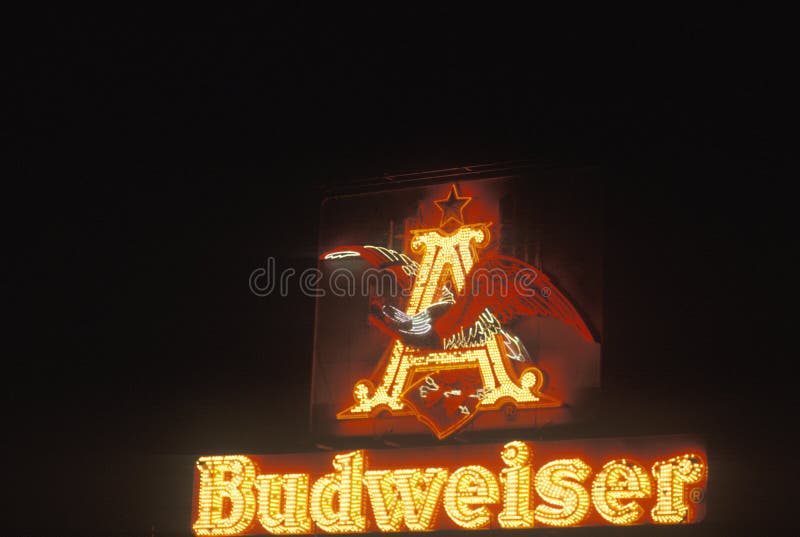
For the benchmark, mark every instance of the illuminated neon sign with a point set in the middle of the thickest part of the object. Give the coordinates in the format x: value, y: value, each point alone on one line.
x: 451, y: 354
x: 656, y: 480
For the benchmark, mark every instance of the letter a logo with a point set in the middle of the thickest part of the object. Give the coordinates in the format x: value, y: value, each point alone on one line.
x: 450, y: 357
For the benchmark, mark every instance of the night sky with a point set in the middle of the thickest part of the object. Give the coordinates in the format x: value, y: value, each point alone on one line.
x: 157, y: 158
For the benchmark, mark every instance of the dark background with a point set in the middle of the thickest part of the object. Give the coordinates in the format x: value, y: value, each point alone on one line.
x: 156, y: 158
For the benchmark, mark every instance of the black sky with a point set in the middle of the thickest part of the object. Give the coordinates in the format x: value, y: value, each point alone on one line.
x: 156, y: 158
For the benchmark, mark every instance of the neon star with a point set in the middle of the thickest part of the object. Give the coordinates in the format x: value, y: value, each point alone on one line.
x: 453, y: 206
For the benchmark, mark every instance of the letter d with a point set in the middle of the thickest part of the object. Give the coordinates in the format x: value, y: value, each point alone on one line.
x: 346, y: 482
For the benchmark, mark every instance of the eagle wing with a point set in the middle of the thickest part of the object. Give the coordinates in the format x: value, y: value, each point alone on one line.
x: 509, y: 288
x: 400, y: 265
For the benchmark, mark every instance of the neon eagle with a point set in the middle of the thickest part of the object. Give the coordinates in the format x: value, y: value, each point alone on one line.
x: 451, y: 348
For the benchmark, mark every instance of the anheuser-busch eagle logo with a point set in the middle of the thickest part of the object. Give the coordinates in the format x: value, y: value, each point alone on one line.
x: 451, y: 351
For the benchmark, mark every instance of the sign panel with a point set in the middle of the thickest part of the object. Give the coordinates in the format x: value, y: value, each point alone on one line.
x: 511, y: 485
x: 467, y: 305
x: 462, y: 306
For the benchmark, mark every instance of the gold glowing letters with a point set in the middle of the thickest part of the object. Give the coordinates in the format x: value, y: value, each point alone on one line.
x: 232, y: 499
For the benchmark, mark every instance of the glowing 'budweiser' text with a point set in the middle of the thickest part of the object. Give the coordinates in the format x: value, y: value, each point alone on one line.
x: 232, y: 497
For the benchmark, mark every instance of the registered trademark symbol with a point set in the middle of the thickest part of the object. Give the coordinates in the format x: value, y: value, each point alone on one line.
x: 696, y: 495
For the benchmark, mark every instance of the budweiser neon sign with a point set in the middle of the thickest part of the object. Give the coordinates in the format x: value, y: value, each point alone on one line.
x: 449, y: 352
x: 517, y: 484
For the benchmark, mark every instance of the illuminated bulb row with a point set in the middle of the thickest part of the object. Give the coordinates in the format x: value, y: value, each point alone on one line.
x: 527, y: 391
x: 516, y: 479
x: 559, y: 483
x: 212, y: 516
x: 468, y: 486
x: 672, y: 476
x: 387, y: 508
x: 419, y: 491
x: 367, y: 401
x: 617, y: 481
x: 226, y: 504
x: 443, y: 256
x: 283, y: 503
x: 404, y: 361
x: 346, y: 515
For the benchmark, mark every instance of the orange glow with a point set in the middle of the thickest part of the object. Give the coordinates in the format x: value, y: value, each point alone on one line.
x: 560, y: 484
x: 409, y: 496
x: 226, y: 505
x: 468, y: 486
x: 513, y: 485
x: 620, y: 480
x: 336, y: 499
x: 447, y: 257
x: 672, y: 477
x: 452, y: 207
x: 516, y: 479
x: 459, y: 305
x: 283, y: 503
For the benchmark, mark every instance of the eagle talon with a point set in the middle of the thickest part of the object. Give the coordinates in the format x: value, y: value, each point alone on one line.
x: 416, y: 330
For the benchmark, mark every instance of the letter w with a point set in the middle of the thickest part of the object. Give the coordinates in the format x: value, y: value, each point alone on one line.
x: 405, y: 495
